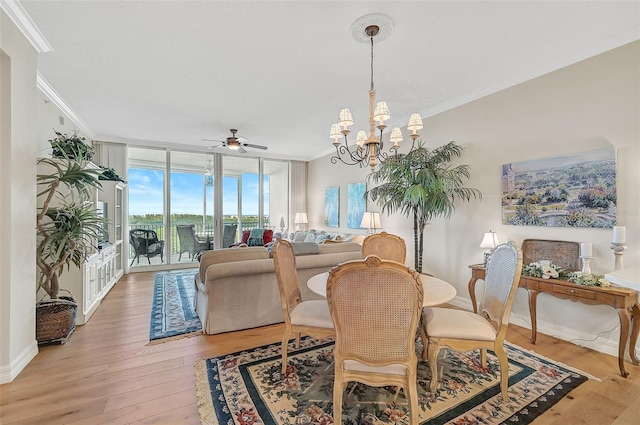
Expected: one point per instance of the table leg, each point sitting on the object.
(533, 297)
(635, 311)
(625, 322)
(472, 293)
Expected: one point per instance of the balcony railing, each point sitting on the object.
(200, 228)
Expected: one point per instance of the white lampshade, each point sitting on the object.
(371, 221)
(415, 122)
(361, 138)
(489, 240)
(300, 218)
(335, 133)
(345, 119)
(396, 136)
(381, 112)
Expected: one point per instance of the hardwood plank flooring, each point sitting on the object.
(107, 374)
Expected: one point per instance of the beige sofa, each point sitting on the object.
(236, 288)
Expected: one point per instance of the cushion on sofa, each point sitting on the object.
(305, 248)
(267, 236)
(228, 255)
(245, 236)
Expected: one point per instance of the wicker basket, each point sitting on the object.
(55, 319)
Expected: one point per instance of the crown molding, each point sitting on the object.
(23, 21)
(57, 100)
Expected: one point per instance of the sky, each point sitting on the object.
(146, 193)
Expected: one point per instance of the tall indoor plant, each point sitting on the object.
(423, 184)
(67, 225)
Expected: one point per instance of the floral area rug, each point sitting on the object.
(172, 313)
(248, 388)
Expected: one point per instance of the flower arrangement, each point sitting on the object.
(588, 279)
(544, 269)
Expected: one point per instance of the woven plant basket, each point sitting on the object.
(55, 319)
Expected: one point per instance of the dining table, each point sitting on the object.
(436, 291)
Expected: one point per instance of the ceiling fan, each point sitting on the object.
(235, 143)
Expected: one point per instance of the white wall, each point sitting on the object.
(18, 193)
(591, 105)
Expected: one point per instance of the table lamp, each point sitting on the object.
(489, 242)
(371, 222)
(301, 220)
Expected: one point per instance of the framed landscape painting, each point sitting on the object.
(332, 206)
(576, 190)
(356, 204)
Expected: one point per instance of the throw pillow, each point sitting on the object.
(267, 236)
(299, 236)
(245, 236)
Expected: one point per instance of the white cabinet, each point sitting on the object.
(104, 267)
(100, 274)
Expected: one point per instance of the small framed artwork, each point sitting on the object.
(356, 204)
(332, 206)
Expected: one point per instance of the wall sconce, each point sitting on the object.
(489, 243)
(371, 222)
(301, 221)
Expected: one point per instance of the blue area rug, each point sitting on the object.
(172, 313)
(248, 388)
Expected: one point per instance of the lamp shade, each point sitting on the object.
(335, 133)
(361, 138)
(300, 218)
(396, 136)
(381, 112)
(371, 220)
(415, 122)
(345, 119)
(489, 240)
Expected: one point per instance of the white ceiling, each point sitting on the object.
(175, 72)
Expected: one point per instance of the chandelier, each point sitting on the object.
(207, 177)
(369, 150)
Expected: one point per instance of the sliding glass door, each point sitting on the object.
(198, 201)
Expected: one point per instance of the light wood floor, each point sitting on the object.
(106, 373)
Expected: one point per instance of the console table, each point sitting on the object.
(625, 300)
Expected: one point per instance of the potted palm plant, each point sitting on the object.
(423, 184)
(67, 225)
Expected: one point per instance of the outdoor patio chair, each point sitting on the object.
(190, 242)
(145, 242)
(229, 235)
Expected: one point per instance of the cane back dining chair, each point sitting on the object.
(145, 242)
(190, 242)
(310, 317)
(465, 330)
(375, 305)
(386, 246)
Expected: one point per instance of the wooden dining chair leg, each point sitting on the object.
(504, 371)
(483, 357)
(434, 350)
(285, 345)
(425, 343)
(337, 400)
(412, 395)
(297, 340)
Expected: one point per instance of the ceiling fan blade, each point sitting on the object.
(249, 145)
(216, 146)
(242, 139)
(240, 150)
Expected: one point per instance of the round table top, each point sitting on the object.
(436, 291)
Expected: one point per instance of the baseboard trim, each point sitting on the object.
(9, 372)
